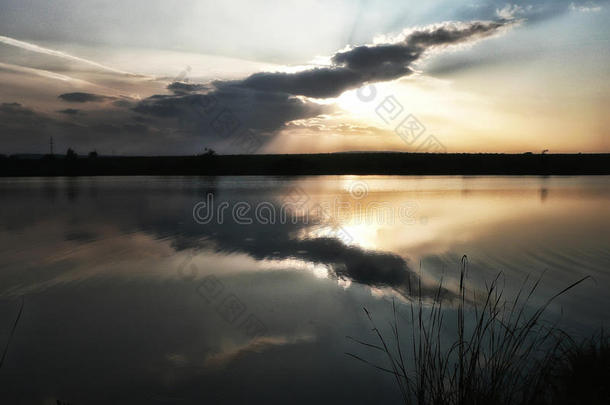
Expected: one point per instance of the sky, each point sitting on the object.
(158, 77)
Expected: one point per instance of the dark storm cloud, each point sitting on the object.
(261, 111)
(266, 111)
(317, 83)
(451, 34)
(370, 63)
(393, 59)
(69, 111)
(167, 106)
(266, 101)
(123, 103)
(185, 88)
(79, 97)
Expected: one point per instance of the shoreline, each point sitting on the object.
(310, 164)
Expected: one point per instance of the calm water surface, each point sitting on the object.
(243, 289)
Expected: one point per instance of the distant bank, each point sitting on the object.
(310, 164)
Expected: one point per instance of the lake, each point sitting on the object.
(243, 289)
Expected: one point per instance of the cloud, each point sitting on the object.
(123, 103)
(533, 11)
(43, 73)
(247, 109)
(15, 109)
(322, 124)
(185, 88)
(371, 63)
(190, 116)
(265, 102)
(587, 7)
(510, 11)
(39, 49)
(27, 130)
(317, 83)
(79, 97)
(169, 106)
(69, 111)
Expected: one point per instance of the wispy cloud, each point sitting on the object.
(45, 73)
(46, 51)
(589, 7)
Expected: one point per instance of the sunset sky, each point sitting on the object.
(142, 77)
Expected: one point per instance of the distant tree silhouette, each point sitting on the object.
(71, 155)
(208, 152)
(93, 154)
(352, 163)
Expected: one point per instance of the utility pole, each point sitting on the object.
(51, 145)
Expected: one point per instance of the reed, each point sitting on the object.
(12, 332)
(502, 353)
